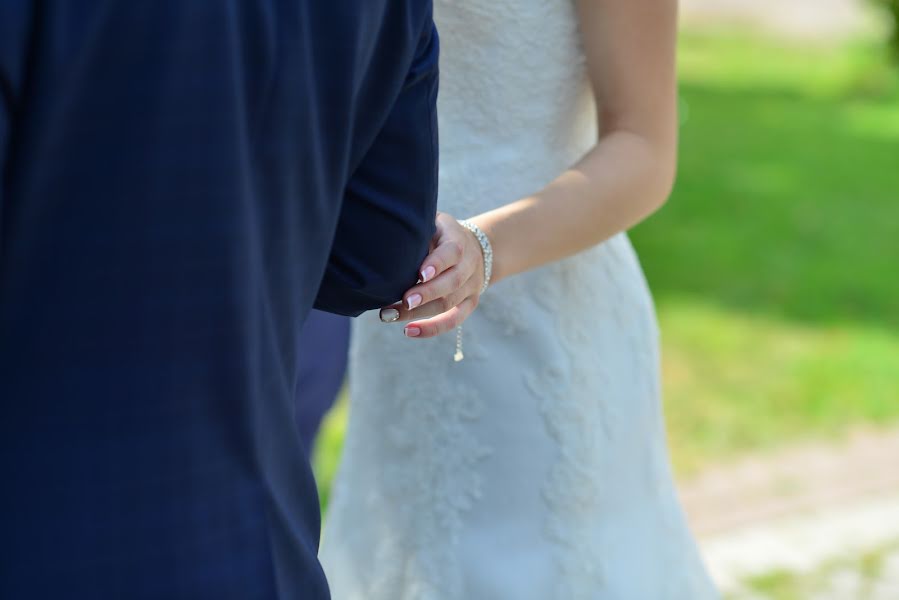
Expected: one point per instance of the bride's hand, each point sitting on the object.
(452, 276)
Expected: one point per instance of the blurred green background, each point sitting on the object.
(774, 265)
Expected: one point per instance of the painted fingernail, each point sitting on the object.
(413, 301)
(412, 331)
(389, 315)
(428, 273)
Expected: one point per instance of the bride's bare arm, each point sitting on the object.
(630, 47)
(627, 175)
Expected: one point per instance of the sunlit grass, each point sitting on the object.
(328, 444)
(818, 583)
(740, 59)
(774, 265)
(735, 383)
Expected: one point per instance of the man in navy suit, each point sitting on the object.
(181, 181)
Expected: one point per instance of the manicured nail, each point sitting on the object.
(389, 315)
(412, 331)
(428, 273)
(413, 301)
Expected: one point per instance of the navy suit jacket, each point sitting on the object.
(181, 181)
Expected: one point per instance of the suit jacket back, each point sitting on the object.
(175, 174)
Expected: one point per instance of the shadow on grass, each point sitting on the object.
(786, 204)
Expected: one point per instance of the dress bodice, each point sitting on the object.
(515, 103)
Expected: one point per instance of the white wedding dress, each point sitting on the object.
(536, 468)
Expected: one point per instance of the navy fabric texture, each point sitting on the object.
(179, 178)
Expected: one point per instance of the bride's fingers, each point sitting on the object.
(445, 255)
(443, 322)
(434, 297)
(429, 309)
(451, 282)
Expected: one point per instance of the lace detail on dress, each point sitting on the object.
(511, 303)
(579, 422)
(571, 487)
(434, 480)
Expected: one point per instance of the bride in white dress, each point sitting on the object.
(536, 468)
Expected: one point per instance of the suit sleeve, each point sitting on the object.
(387, 220)
(15, 26)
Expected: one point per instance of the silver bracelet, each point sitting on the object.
(487, 252)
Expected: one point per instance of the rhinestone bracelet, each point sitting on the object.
(487, 252)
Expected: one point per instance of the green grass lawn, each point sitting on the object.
(775, 263)
(866, 570)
